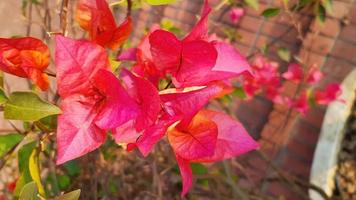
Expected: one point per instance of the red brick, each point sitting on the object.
(340, 9)
(348, 33)
(273, 29)
(247, 37)
(319, 44)
(315, 116)
(297, 167)
(250, 23)
(242, 48)
(306, 133)
(352, 16)
(331, 27)
(337, 68)
(301, 150)
(311, 57)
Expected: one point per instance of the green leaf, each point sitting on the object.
(74, 195)
(7, 142)
(252, 3)
(239, 92)
(29, 191)
(320, 14)
(198, 168)
(264, 49)
(27, 106)
(159, 2)
(327, 4)
(284, 54)
(35, 171)
(50, 122)
(271, 12)
(23, 162)
(3, 97)
(63, 181)
(72, 168)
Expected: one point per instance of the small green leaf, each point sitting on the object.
(35, 171)
(74, 195)
(198, 168)
(160, 2)
(239, 92)
(7, 142)
(284, 54)
(27, 106)
(320, 14)
(327, 4)
(72, 168)
(252, 3)
(3, 98)
(63, 181)
(264, 49)
(29, 192)
(50, 122)
(271, 12)
(23, 163)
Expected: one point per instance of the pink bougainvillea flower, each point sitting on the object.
(236, 14)
(145, 66)
(25, 57)
(295, 73)
(178, 106)
(301, 104)
(314, 75)
(93, 99)
(128, 55)
(145, 94)
(95, 17)
(266, 78)
(331, 93)
(195, 60)
(211, 136)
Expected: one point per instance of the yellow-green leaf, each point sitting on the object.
(252, 3)
(35, 171)
(284, 54)
(3, 98)
(271, 12)
(7, 142)
(160, 2)
(29, 192)
(74, 195)
(27, 106)
(23, 162)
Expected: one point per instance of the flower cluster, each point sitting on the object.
(268, 80)
(95, 101)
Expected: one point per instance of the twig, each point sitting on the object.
(275, 40)
(292, 180)
(50, 74)
(29, 25)
(237, 190)
(63, 16)
(168, 84)
(129, 8)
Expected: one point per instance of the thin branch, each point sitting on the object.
(129, 8)
(50, 74)
(29, 25)
(63, 16)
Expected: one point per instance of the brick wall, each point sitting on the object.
(289, 143)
